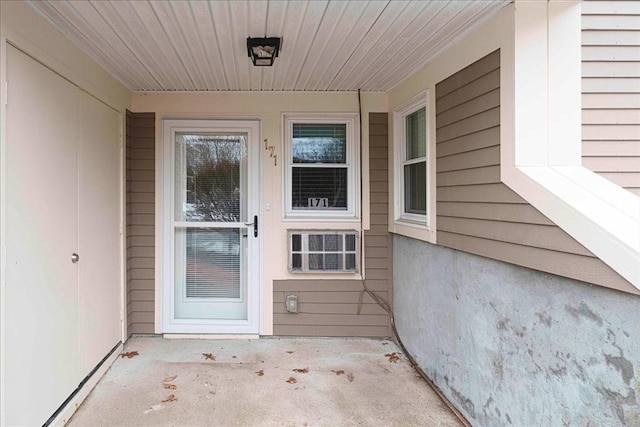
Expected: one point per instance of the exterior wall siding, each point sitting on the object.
(611, 91)
(140, 199)
(476, 212)
(338, 307)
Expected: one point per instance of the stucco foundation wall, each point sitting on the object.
(513, 346)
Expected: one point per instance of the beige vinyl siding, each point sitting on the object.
(476, 212)
(611, 91)
(140, 222)
(330, 307)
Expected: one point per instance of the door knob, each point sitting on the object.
(75, 258)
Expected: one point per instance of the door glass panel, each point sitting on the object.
(212, 263)
(208, 177)
(210, 186)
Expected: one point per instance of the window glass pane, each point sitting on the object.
(319, 143)
(319, 188)
(416, 126)
(415, 192)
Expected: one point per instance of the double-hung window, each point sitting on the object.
(321, 166)
(410, 123)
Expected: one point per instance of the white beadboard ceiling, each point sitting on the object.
(327, 45)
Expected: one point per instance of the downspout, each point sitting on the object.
(385, 305)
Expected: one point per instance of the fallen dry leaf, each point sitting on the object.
(260, 373)
(338, 372)
(169, 386)
(290, 352)
(169, 379)
(350, 377)
(301, 371)
(208, 356)
(393, 357)
(171, 398)
(292, 380)
(129, 354)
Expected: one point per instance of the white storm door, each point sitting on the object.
(211, 226)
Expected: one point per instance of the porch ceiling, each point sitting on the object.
(201, 45)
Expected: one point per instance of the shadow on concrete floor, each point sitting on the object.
(263, 382)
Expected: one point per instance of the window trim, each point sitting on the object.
(352, 165)
(400, 115)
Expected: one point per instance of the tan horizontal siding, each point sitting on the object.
(610, 68)
(560, 263)
(476, 212)
(339, 307)
(611, 91)
(140, 222)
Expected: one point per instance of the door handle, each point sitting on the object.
(75, 258)
(255, 225)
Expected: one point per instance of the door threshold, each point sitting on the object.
(211, 336)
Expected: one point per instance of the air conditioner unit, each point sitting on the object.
(323, 251)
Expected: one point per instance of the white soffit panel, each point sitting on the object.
(201, 45)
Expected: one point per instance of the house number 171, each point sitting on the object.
(318, 202)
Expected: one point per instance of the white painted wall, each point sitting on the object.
(269, 109)
(24, 29)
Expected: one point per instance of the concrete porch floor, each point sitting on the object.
(255, 383)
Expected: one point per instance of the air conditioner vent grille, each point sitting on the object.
(312, 251)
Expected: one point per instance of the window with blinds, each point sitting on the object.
(320, 165)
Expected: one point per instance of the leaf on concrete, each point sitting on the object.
(393, 357)
(292, 380)
(301, 371)
(338, 372)
(169, 379)
(260, 373)
(169, 386)
(129, 354)
(171, 398)
(208, 356)
(350, 377)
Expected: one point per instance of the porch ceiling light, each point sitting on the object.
(263, 51)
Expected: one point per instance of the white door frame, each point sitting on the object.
(165, 263)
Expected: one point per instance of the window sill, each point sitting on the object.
(320, 218)
(413, 230)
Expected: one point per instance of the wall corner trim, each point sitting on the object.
(540, 137)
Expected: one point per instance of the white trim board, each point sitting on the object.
(541, 139)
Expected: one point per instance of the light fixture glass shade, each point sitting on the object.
(263, 51)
